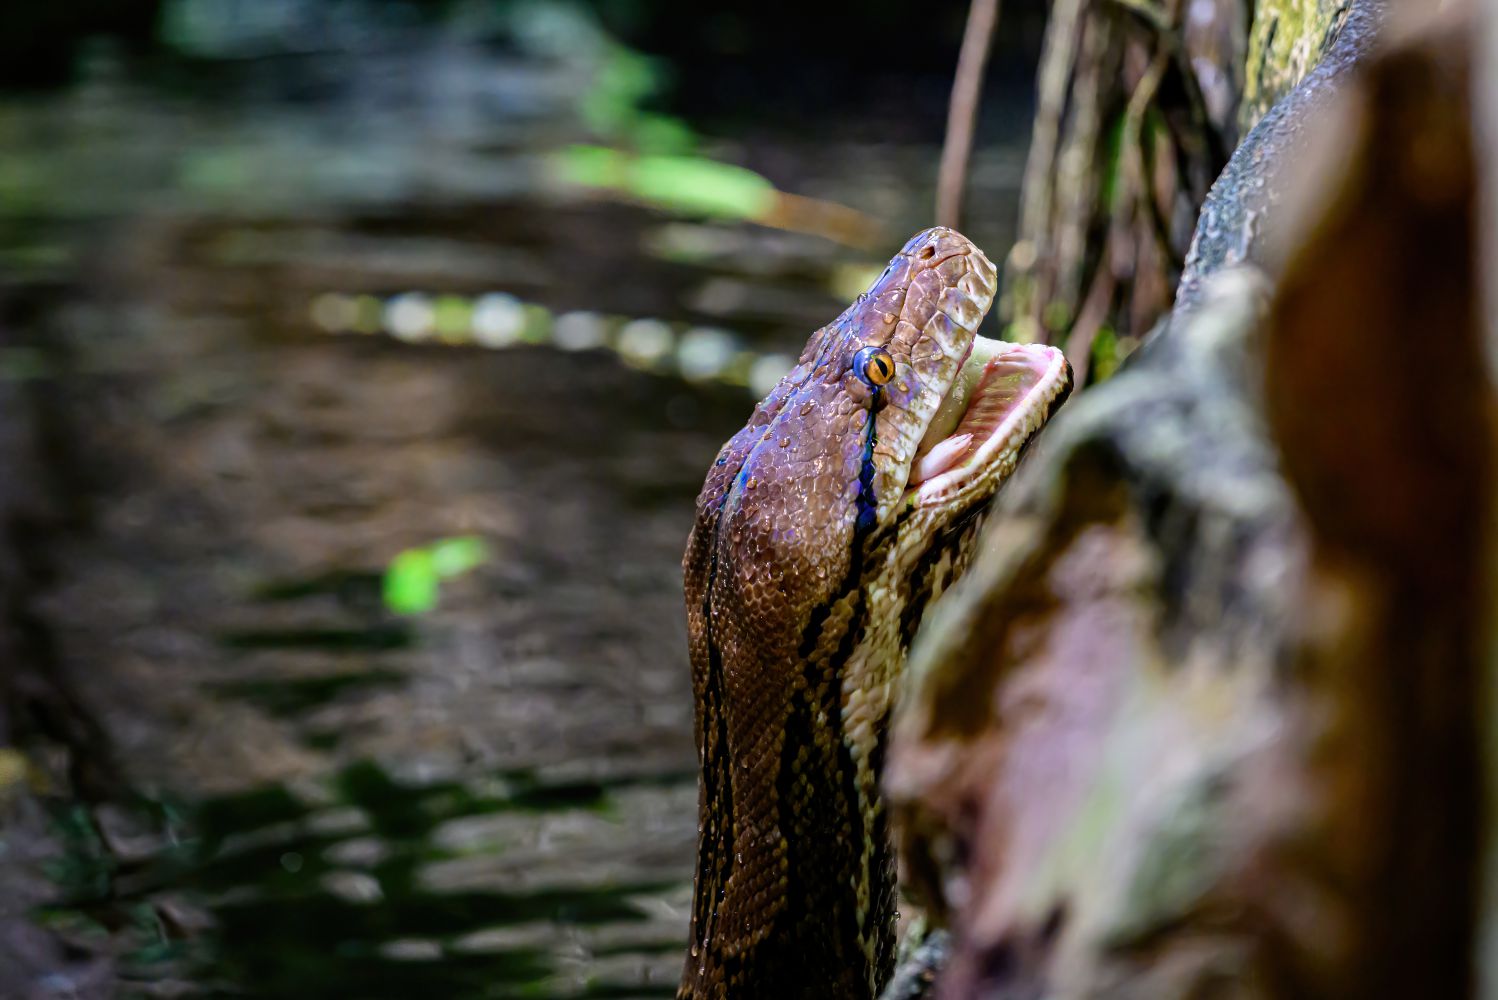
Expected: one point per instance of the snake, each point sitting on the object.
(825, 528)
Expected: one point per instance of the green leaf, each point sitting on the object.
(593, 166)
(1105, 353)
(686, 185)
(411, 583)
(663, 134)
(624, 80)
(693, 184)
(1113, 163)
(413, 577)
(454, 556)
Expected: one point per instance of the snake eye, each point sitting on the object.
(874, 365)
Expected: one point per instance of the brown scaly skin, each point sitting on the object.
(808, 570)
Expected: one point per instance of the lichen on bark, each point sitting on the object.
(1285, 41)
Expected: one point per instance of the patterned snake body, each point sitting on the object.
(825, 527)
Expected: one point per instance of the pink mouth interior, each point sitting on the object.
(1007, 382)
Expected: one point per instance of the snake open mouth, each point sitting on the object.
(1002, 394)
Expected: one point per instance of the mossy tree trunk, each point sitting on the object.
(1286, 39)
(1139, 107)
(1206, 716)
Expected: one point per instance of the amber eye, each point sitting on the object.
(874, 365)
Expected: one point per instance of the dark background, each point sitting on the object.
(740, 60)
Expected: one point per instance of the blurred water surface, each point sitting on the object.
(305, 315)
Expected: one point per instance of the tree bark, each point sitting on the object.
(1285, 42)
(1136, 114)
(1138, 107)
(1204, 716)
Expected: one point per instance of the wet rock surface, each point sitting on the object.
(219, 610)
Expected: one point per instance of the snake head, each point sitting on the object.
(832, 453)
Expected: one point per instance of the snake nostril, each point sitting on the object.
(928, 252)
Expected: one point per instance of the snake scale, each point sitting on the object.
(826, 526)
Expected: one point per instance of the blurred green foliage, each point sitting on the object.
(613, 106)
(19, 364)
(1106, 353)
(687, 184)
(1112, 173)
(413, 578)
(662, 169)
